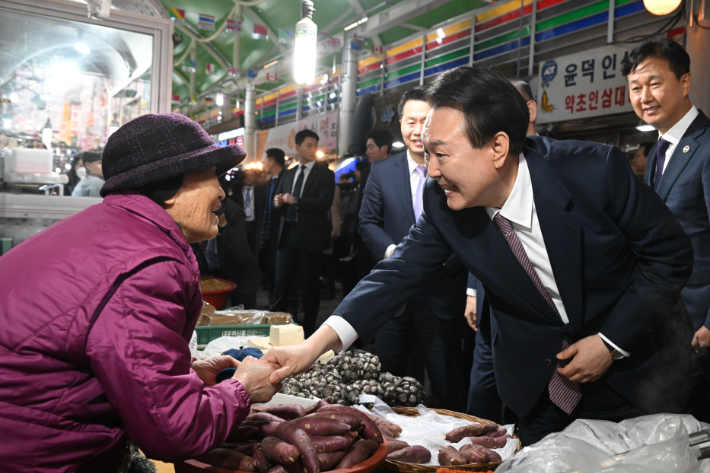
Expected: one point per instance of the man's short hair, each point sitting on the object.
(381, 138)
(522, 86)
(489, 102)
(277, 155)
(646, 147)
(666, 49)
(91, 156)
(303, 134)
(417, 93)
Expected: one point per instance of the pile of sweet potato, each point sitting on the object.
(292, 439)
(483, 437)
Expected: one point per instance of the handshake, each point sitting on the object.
(262, 378)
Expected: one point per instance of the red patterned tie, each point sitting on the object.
(563, 392)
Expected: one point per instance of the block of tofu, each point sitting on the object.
(282, 335)
(262, 343)
(326, 357)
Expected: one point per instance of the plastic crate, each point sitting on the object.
(209, 333)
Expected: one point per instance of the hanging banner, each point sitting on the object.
(285, 36)
(177, 15)
(284, 136)
(260, 32)
(209, 68)
(206, 22)
(271, 77)
(583, 85)
(189, 66)
(233, 72)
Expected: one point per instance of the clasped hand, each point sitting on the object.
(589, 360)
(280, 199)
(253, 374)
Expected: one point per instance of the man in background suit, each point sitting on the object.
(303, 198)
(268, 224)
(392, 203)
(250, 197)
(581, 262)
(679, 171)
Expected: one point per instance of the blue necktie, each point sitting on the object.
(291, 214)
(661, 149)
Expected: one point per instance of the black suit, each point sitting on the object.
(685, 188)
(269, 223)
(433, 316)
(252, 227)
(301, 243)
(620, 260)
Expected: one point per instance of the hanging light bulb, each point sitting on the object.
(219, 100)
(661, 7)
(304, 51)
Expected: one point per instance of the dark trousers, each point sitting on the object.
(440, 344)
(699, 402)
(251, 235)
(290, 261)
(599, 401)
(269, 271)
(483, 398)
(247, 300)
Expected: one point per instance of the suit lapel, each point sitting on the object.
(312, 176)
(404, 186)
(562, 234)
(681, 158)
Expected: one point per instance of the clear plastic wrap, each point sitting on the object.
(649, 444)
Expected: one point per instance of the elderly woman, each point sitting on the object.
(97, 312)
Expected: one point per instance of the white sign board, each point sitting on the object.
(583, 85)
(284, 136)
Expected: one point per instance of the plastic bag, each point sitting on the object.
(649, 444)
(219, 345)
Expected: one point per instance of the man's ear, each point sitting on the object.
(532, 108)
(500, 145)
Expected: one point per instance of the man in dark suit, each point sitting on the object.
(431, 318)
(268, 224)
(581, 262)
(303, 198)
(679, 171)
(250, 197)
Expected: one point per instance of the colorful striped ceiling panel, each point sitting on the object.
(446, 66)
(501, 49)
(402, 79)
(369, 90)
(448, 39)
(371, 67)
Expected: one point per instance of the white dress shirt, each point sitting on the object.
(309, 165)
(413, 184)
(520, 210)
(676, 132)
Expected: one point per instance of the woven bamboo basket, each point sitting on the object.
(401, 467)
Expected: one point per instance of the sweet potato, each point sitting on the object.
(395, 445)
(449, 456)
(247, 448)
(369, 428)
(263, 416)
(243, 432)
(295, 468)
(284, 411)
(264, 428)
(329, 460)
(332, 443)
(358, 453)
(314, 408)
(321, 426)
(263, 463)
(226, 458)
(345, 417)
(290, 432)
(495, 433)
(490, 442)
(393, 428)
(479, 454)
(277, 469)
(280, 452)
(413, 454)
(473, 430)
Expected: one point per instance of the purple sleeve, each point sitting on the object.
(142, 362)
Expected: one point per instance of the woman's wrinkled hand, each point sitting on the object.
(254, 375)
(207, 369)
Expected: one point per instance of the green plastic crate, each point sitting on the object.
(209, 333)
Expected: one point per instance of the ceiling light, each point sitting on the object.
(440, 33)
(661, 7)
(353, 25)
(320, 153)
(398, 144)
(14, 98)
(272, 63)
(219, 100)
(324, 79)
(645, 128)
(82, 48)
(304, 51)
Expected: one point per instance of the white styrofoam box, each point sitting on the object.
(33, 161)
(279, 399)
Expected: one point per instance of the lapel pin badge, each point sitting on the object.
(686, 149)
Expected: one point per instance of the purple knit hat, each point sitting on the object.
(155, 147)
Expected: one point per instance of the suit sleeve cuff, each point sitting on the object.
(471, 292)
(343, 329)
(623, 352)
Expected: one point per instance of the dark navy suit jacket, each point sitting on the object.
(619, 256)
(685, 188)
(386, 216)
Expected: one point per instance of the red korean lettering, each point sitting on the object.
(569, 103)
(606, 97)
(581, 103)
(593, 100)
(620, 96)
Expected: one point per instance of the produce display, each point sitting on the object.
(212, 284)
(292, 439)
(346, 376)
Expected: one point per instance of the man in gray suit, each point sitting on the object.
(678, 169)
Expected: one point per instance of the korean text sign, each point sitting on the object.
(583, 85)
